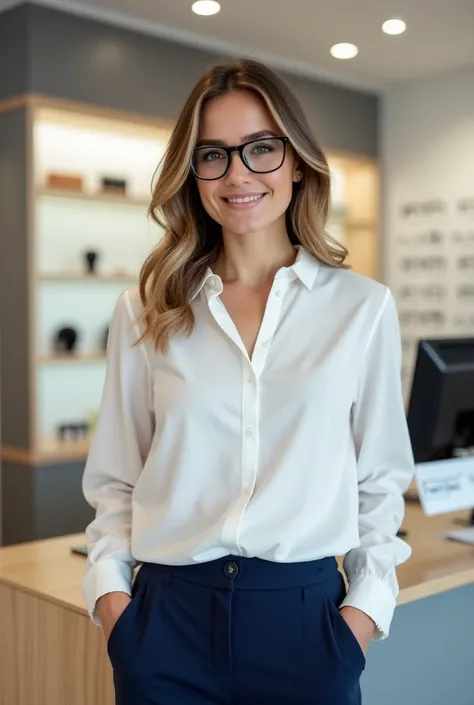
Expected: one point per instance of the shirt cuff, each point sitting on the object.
(375, 598)
(106, 576)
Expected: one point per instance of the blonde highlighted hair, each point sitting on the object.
(192, 240)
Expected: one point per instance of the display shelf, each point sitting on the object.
(67, 225)
(92, 197)
(354, 223)
(87, 278)
(354, 220)
(52, 450)
(72, 358)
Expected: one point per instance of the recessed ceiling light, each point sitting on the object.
(206, 7)
(344, 51)
(394, 26)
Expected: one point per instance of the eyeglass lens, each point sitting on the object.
(262, 156)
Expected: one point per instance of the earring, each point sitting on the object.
(299, 176)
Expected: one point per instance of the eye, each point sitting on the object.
(211, 155)
(262, 148)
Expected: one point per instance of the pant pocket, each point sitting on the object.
(343, 639)
(124, 625)
(140, 622)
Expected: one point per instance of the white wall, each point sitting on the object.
(428, 155)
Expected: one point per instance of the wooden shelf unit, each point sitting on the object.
(73, 276)
(51, 450)
(99, 197)
(358, 227)
(58, 226)
(71, 358)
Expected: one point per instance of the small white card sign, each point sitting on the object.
(445, 485)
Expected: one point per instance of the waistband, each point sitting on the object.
(239, 573)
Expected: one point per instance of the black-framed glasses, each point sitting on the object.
(262, 156)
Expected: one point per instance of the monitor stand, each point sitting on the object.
(465, 522)
(464, 453)
(463, 535)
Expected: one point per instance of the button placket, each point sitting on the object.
(250, 423)
(269, 324)
(251, 372)
(249, 455)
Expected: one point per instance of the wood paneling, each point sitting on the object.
(50, 655)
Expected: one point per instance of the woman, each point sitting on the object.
(251, 429)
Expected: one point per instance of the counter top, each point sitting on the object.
(48, 569)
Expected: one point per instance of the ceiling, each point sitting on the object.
(297, 34)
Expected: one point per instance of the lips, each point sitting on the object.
(244, 198)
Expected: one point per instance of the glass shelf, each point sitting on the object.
(73, 276)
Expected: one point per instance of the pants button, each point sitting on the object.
(231, 569)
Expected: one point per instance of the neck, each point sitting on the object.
(255, 258)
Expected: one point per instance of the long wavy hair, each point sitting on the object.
(192, 240)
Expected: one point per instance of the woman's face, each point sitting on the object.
(231, 120)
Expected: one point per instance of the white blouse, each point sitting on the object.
(297, 453)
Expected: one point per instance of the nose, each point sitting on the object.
(238, 172)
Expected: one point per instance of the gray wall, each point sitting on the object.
(42, 502)
(428, 657)
(14, 284)
(81, 59)
(14, 54)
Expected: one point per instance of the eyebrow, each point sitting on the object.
(246, 138)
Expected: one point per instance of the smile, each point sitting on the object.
(245, 199)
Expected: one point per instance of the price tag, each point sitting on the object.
(446, 485)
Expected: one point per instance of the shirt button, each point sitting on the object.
(278, 293)
(249, 431)
(231, 569)
(250, 379)
(266, 343)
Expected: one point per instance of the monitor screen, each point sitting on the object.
(441, 408)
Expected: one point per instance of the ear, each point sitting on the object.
(297, 175)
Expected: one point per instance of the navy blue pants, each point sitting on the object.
(236, 631)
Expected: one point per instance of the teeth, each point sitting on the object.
(247, 199)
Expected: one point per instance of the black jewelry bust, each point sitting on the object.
(66, 339)
(91, 257)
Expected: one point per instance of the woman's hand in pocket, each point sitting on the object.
(361, 625)
(109, 608)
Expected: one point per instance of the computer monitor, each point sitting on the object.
(441, 408)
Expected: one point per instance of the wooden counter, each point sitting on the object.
(49, 647)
